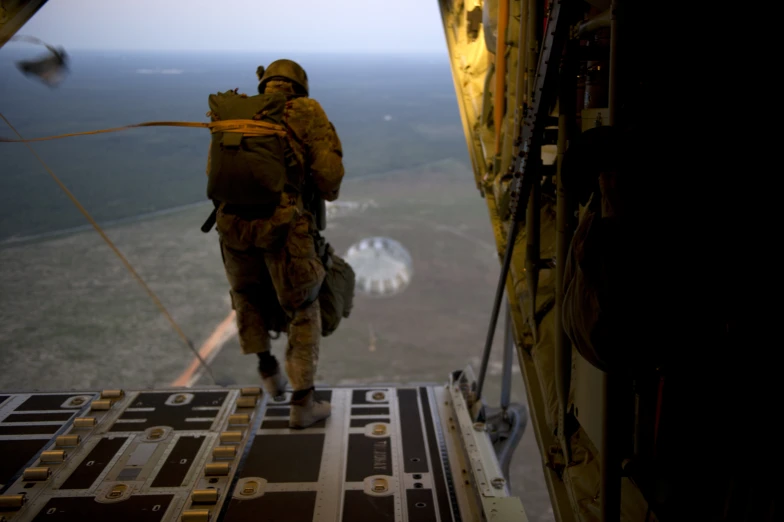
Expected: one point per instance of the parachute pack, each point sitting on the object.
(336, 297)
(251, 162)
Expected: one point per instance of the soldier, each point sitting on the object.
(272, 252)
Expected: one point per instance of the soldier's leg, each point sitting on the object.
(301, 363)
(247, 274)
(297, 274)
(303, 347)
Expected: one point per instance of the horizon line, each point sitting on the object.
(429, 52)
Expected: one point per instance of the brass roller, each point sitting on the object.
(196, 515)
(379, 429)
(101, 405)
(53, 456)
(12, 501)
(247, 402)
(112, 394)
(239, 419)
(205, 496)
(85, 422)
(224, 452)
(64, 441)
(36, 474)
(250, 391)
(230, 436)
(217, 469)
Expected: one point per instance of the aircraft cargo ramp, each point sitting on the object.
(227, 454)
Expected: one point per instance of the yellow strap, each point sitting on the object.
(245, 127)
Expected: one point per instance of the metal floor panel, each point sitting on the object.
(226, 454)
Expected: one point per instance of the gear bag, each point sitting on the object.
(336, 297)
(250, 157)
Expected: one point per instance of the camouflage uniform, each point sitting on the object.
(277, 252)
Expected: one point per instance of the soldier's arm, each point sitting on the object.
(325, 153)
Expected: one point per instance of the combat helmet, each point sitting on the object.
(284, 69)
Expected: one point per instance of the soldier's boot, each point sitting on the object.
(272, 378)
(306, 410)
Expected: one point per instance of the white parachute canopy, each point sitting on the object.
(382, 266)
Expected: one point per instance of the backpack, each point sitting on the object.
(251, 161)
(336, 296)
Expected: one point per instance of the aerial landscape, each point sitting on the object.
(73, 317)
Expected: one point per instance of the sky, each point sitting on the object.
(364, 26)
